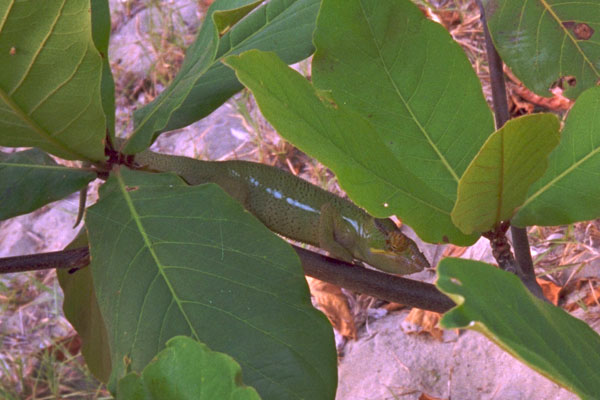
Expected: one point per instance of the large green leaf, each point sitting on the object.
(50, 75)
(31, 179)
(347, 143)
(410, 79)
(204, 83)
(545, 337)
(497, 180)
(169, 259)
(569, 191)
(187, 370)
(544, 40)
(101, 26)
(80, 306)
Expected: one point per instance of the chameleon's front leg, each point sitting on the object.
(336, 235)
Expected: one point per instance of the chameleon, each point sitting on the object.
(301, 211)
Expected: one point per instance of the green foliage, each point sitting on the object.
(169, 259)
(569, 190)
(187, 370)
(406, 75)
(366, 169)
(395, 111)
(498, 178)
(204, 83)
(545, 337)
(31, 179)
(101, 27)
(544, 40)
(50, 79)
(80, 306)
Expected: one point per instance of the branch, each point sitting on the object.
(524, 263)
(64, 259)
(378, 284)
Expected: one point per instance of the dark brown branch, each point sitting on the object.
(524, 263)
(64, 259)
(378, 284)
(384, 286)
(501, 248)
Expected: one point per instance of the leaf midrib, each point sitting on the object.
(6, 97)
(560, 176)
(37, 129)
(567, 33)
(57, 167)
(150, 247)
(406, 105)
(161, 268)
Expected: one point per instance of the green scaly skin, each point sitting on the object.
(301, 211)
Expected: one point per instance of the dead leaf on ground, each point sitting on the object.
(454, 251)
(61, 350)
(422, 321)
(393, 306)
(593, 294)
(333, 303)
(551, 290)
(425, 396)
(556, 103)
(518, 106)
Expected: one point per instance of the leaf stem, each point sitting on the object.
(524, 263)
(378, 284)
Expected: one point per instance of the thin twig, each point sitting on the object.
(524, 263)
(378, 284)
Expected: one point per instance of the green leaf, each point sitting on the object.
(31, 179)
(204, 83)
(80, 306)
(101, 35)
(569, 191)
(50, 79)
(544, 40)
(169, 259)
(346, 143)
(187, 370)
(545, 337)
(410, 79)
(497, 180)
(225, 20)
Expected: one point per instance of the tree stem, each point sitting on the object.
(521, 247)
(378, 284)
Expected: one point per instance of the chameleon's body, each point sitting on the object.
(301, 211)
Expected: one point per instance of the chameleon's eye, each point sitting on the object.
(397, 242)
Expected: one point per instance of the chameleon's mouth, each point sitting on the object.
(404, 261)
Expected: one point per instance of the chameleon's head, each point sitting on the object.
(392, 251)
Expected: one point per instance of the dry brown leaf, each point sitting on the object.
(423, 321)
(425, 396)
(333, 303)
(551, 290)
(593, 294)
(558, 102)
(393, 306)
(70, 344)
(518, 106)
(454, 251)
(449, 18)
